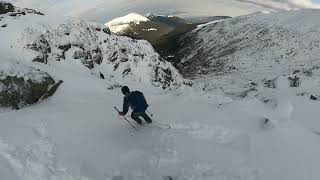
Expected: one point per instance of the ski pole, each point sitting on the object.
(126, 119)
(149, 113)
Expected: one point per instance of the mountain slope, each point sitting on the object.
(251, 49)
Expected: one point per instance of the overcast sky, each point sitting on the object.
(105, 10)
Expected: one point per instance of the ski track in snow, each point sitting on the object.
(77, 137)
(95, 143)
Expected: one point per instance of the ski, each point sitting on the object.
(155, 125)
(160, 125)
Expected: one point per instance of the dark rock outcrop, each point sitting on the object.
(43, 58)
(23, 88)
(41, 45)
(269, 83)
(52, 90)
(101, 75)
(313, 97)
(294, 81)
(106, 30)
(79, 55)
(6, 7)
(97, 56)
(167, 77)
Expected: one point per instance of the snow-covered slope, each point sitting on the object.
(86, 43)
(252, 50)
(77, 135)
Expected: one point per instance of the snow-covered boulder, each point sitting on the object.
(5, 7)
(21, 85)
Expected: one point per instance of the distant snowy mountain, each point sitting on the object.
(157, 29)
(121, 24)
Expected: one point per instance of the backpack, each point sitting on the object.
(138, 102)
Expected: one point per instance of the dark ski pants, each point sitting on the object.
(136, 116)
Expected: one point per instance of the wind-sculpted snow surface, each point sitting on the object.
(120, 24)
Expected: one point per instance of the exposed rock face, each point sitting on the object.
(106, 30)
(167, 77)
(78, 37)
(97, 56)
(294, 81)
(6, 7)
(313, 97)
(51, 91)
(96, 48)
(21, 86)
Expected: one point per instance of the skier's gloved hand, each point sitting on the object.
(121, 114)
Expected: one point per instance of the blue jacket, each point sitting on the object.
(136, 101)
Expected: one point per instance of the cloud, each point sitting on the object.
(278, 4)
(305, 3)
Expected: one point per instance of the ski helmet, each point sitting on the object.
(125, 90)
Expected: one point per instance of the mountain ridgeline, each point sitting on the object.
(162, 31)
(252, 51)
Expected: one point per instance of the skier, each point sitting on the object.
(138, 104)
